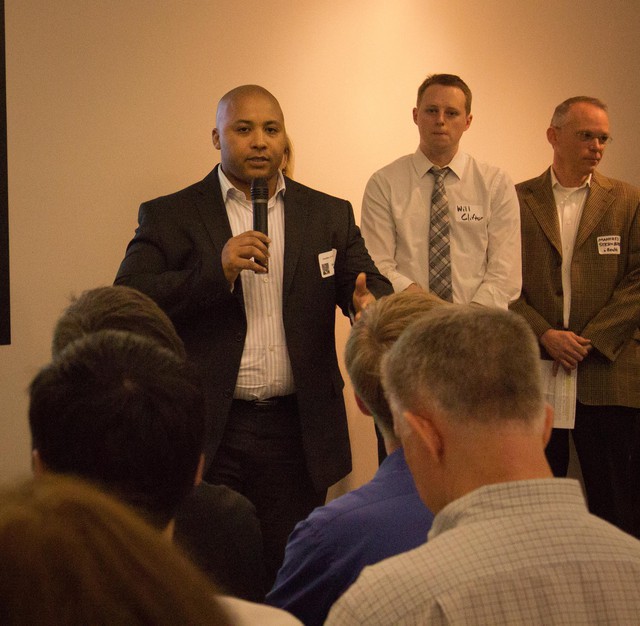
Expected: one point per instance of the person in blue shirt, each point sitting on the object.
(326, 552)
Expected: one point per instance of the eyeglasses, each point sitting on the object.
(587, 136)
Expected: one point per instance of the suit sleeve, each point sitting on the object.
(354, 260)
(538, 323)
(166, 259)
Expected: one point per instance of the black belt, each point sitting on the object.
(268, 404)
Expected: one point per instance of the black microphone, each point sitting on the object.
(260, 200)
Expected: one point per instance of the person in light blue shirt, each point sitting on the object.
(326, 552)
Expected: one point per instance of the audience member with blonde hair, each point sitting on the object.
(71, 555)
(510, 544)
(327, 551)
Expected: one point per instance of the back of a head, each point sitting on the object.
(115, 308)
(72, 556)
(120, 410)
(378, 328)
(474, 364)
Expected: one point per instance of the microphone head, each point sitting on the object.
(259, 189)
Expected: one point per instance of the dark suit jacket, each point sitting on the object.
(605, 288)
(175, 257)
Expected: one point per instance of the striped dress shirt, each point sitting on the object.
(265, 368)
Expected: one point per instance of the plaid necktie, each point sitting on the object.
(439, 257)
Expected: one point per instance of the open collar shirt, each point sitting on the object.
(569, 204)
(265, 368)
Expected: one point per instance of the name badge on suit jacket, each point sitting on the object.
(327, 262)
(609, 244)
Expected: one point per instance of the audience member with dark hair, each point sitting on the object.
(327, 551)
(217, 526)
(118, 409)
(510, 544)
(71, 555)
(115, 308)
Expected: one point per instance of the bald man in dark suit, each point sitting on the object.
(264, 338)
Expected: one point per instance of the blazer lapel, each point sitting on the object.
(540, 200)
(213, 213)
(295, 218)
(598, 202)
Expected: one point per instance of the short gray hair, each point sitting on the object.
(559, 117)
(472, 364)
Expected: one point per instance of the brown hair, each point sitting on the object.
(115, 308)
(448, 80)
(72, 556)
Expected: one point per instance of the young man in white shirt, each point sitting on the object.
(483, 213)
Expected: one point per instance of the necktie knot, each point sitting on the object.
(439, 172)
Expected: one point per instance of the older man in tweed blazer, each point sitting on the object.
(581, 296)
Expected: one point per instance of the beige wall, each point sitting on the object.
(111, 103)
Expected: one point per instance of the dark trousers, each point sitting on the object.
(607, 441)
(261, 457)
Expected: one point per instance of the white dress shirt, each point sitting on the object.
(484, 227)
(569, 203)
(265, 368)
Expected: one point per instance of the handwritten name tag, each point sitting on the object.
(469, 213)
(609, 244)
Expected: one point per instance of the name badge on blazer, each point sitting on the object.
(609, 244)
(327, 262)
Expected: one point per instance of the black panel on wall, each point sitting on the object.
(5, 310)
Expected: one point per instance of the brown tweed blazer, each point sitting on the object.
(605, 288)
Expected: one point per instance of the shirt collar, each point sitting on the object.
(227, 187)
(423, 165)
(499, 500)
(556, 183)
